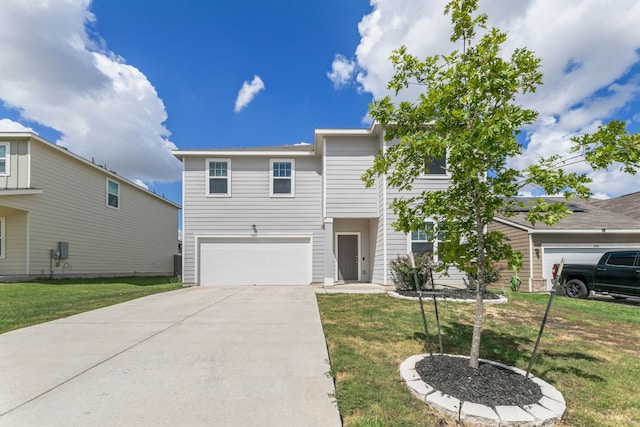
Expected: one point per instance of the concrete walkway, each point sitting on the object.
(219, 356)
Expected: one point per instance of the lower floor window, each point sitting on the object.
(425, 240)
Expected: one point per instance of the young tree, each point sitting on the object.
(468, 113)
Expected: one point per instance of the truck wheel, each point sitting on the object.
(576, 289)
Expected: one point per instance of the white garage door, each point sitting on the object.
(255, 261)
(551, 255)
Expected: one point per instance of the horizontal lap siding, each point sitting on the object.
(140, 237)
(519, 241)
(347, 158)
(18, 177)
(14, 261)
(377, 229)
(398, 242)
(250, 203)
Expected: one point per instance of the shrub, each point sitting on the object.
(492, 275)
(402, 271)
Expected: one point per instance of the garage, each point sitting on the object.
(572, 255)
(255, 260)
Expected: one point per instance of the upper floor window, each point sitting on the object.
(4, 159)
(435, 166)
(219, 177)
(282, 177)
(113, 194)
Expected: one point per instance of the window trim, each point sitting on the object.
(436, 242)
(208, 177)
(292, 178)
(108, 193)
(7, 159)
(3, 238)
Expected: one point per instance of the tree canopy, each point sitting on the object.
(468, 113)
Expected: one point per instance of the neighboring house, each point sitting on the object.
(295, 214)
(62, 215)
(595, 227)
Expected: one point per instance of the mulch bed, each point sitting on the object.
(451, 293)
(488, 385)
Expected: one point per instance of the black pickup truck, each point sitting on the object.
(617, 274)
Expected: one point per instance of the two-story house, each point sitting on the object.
(296, 214)
(62, 215)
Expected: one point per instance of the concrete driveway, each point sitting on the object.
(219, 356)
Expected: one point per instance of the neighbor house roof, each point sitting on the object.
(628, 205)
(37, 138)
(589, 216)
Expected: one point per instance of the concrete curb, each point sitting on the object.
(546, 412)
(500, 300)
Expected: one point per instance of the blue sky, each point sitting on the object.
(125, 82)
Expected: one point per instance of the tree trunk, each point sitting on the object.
(474, 357)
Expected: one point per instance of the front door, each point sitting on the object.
(348, 257)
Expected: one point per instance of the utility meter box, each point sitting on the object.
(63, 248)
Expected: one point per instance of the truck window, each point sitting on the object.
(625, 259)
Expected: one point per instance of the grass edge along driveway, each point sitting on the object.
(24, 304)
(589, 352)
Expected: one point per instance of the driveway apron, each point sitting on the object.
(217, 356)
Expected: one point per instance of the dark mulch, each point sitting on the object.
(450, 293)
(488, 385)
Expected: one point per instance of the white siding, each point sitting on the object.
(347, 158)
(250, 204)
(140, 237)
(18, 158)
(397, 241)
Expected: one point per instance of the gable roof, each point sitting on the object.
(304, 149)
(289, 150)
(589, 216)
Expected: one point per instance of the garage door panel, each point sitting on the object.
(553, 255)
(255, 261)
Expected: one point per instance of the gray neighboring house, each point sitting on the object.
(595, 227)
(295, 214)
(62, 215)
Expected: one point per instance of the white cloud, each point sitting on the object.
(55, 75)
(342, 71)
(8, 125)
(587, 49)
(247, 92)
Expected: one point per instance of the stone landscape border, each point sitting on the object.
(546, 412)
(501, 300)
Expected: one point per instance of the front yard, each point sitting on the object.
(589, 352)
(26, 304)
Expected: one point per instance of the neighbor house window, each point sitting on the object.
(113, 194)
(2, 238)
(282, 177)
(219, 177)
(4, 159)
(425, 240)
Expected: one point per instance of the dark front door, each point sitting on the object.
(347, 257)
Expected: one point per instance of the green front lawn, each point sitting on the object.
(29, 303)
(589, 352)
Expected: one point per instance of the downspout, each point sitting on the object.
(324, 178)
(28, 245)
(385, 258)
